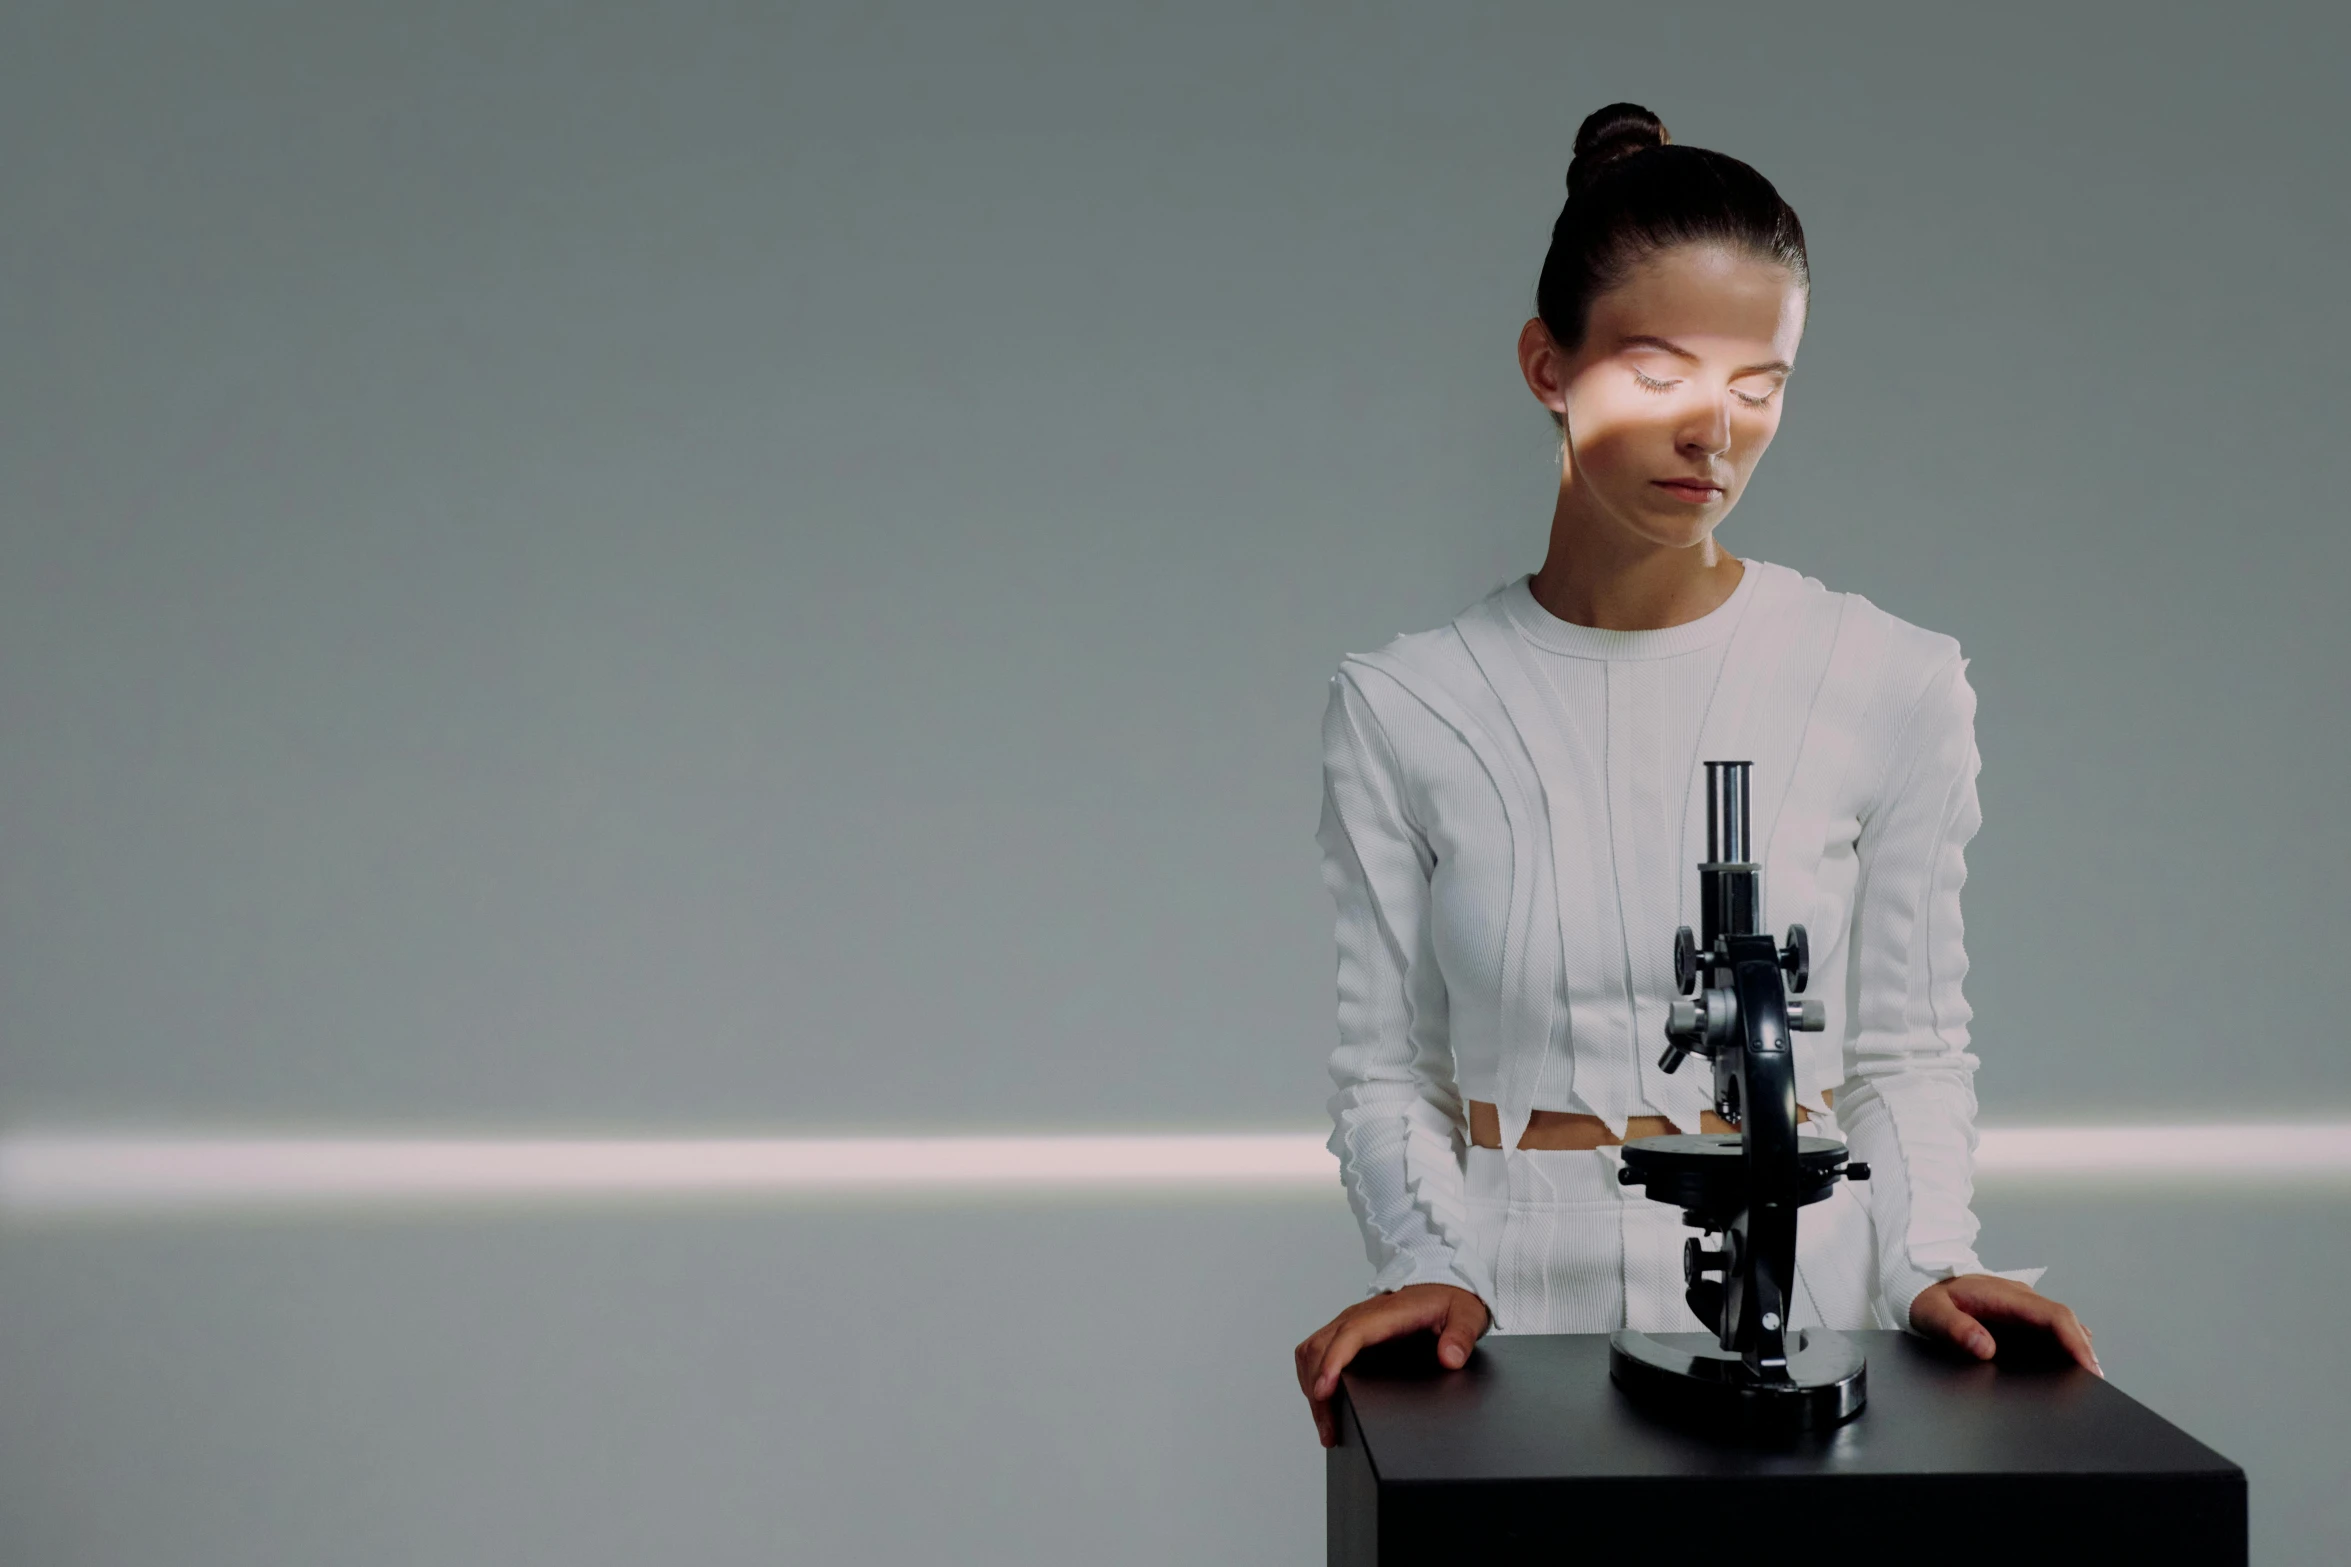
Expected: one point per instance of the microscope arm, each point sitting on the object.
(1742, 1022)
(1760, 1286)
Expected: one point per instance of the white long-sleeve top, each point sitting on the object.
(1511, 826)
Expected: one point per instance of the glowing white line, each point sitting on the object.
(57, 1172)
(2256, 1150)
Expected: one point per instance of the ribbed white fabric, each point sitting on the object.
(1511, 826)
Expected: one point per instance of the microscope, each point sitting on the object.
(1757, 1375)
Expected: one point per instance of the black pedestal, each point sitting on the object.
(1531, 1452)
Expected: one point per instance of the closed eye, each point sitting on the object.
(1667, 386)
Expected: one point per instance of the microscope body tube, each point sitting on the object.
(1730, 884)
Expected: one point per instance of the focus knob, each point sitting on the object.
(1795, 958)
(1807, 1014)
(1685, 960)
(1685, 1025)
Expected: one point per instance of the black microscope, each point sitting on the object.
(1758, 1375)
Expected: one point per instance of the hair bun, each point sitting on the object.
(1610, 135)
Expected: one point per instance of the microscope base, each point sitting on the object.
(1692, 1378)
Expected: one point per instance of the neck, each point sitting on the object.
(1599, 573)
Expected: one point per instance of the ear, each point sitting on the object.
(1543, 364)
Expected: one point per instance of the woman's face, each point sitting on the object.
(1679, 378)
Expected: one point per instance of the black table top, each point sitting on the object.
(1541, 1407)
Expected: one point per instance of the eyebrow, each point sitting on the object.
(1644, 340)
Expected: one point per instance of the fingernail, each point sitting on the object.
(2094, 1366)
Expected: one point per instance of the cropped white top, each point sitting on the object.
(1511, 826)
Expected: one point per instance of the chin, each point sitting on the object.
(1687, 533)
(1684, 527)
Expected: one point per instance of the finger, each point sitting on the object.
(1458, 1337)
(1335, 1358)
(1303, 1358)
(2076, 1340)
(2054, 1317)
(2060, 1321)
(1965, 1331)
(1387, 1317)
(1310, 1353)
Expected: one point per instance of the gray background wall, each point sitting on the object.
(702, 568)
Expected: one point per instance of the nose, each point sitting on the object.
(1707, 433)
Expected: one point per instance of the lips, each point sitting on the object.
(1689, 489)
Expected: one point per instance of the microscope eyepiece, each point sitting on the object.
(1729, 823)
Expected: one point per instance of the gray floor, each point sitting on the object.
(1041, 1383)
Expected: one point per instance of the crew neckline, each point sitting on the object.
(1546, 630)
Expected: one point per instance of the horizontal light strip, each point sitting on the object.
(54, 1173)
(50, 1172)
(2258, 1150)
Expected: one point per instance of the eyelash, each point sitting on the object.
(1665, 386)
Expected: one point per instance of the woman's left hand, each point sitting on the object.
(1959, 1310)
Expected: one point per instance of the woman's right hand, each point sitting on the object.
(1455, 1315)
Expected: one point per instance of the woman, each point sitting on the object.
(1511, 826)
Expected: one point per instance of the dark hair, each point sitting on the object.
(1631, 192)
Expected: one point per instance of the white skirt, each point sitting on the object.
(1572, 1251)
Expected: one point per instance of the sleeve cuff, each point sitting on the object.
(1903, 1286)
(1406, 1269)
